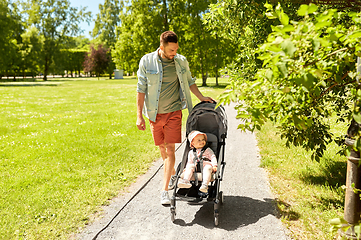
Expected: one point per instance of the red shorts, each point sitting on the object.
(167, 128)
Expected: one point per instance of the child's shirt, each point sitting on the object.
(208, 154)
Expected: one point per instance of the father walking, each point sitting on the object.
(163, 90)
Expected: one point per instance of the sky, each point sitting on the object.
(92, 6)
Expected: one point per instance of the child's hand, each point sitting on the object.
(215, 169)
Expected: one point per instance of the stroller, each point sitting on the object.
(205, 118)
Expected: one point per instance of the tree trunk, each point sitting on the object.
(217, 50)
(165, 16)
(46, 68)
(204, 79)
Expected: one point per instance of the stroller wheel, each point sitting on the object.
(216, 219)
(173, 213)
(220, 196)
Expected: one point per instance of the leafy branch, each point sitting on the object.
(327, 56)
(281, 91)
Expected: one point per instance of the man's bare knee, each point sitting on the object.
(170, 148)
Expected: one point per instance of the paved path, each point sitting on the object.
(248, 211)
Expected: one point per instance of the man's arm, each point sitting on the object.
(194, 89)
(140, 105)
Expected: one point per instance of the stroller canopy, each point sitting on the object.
(206, 118)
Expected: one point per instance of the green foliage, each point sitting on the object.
(308, 74)
(187, 20)
(30, 50)
(55, 21)
(106, 22)
(244, 24)
(11, 29)
(141, 25)
(69, 60)
(143, 21)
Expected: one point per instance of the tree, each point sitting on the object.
(186, 17)
(11, 29)
(142, 22)
(55, 20)
(106, 22)
(31, 51)
(105, 27)
(97, 60)
(308, 75)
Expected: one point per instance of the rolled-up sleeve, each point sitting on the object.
(142, 79)
(191, 80)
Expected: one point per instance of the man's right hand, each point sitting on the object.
(141, 123)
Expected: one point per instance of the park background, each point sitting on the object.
(68, 137)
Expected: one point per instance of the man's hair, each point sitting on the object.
(167, 37)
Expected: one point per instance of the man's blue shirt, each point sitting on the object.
(150, 74)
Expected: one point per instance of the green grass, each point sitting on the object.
(309, 193)
(69, 146)
(66, 150)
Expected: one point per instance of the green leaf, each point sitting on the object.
(269, 74)
(271, 15)
(284, 19)
(288, 47)
(243, 116)
(312, 8)
(274, 48)
(357, 117)
(322, 24)
(283, 69)
(355, 34)
(288, 28)
(286, 90)
(357, 143)
(308, 80)
(303, 10)
(357, 231)
(268, 6)
(264, 56)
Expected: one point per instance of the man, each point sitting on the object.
(163, 90)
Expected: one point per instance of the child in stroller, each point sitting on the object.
(212, 122)
(199, 153)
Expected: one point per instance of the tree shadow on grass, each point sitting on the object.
(237, 211)
(332, 176)
(286, 212)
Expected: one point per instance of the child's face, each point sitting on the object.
(199, 141)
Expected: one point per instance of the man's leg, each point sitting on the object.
(168, 154)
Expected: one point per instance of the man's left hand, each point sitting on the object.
(207, 99)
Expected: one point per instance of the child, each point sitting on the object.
(197, 141)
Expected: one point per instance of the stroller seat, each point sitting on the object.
(212, 142)
(210, 119)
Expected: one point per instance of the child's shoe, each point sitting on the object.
(204, 188)
(183, 183)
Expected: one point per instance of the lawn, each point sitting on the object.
(308, 193)
(67, 147)
(70, 145)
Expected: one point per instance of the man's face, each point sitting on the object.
(169, 51)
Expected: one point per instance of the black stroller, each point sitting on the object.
(212, 121)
